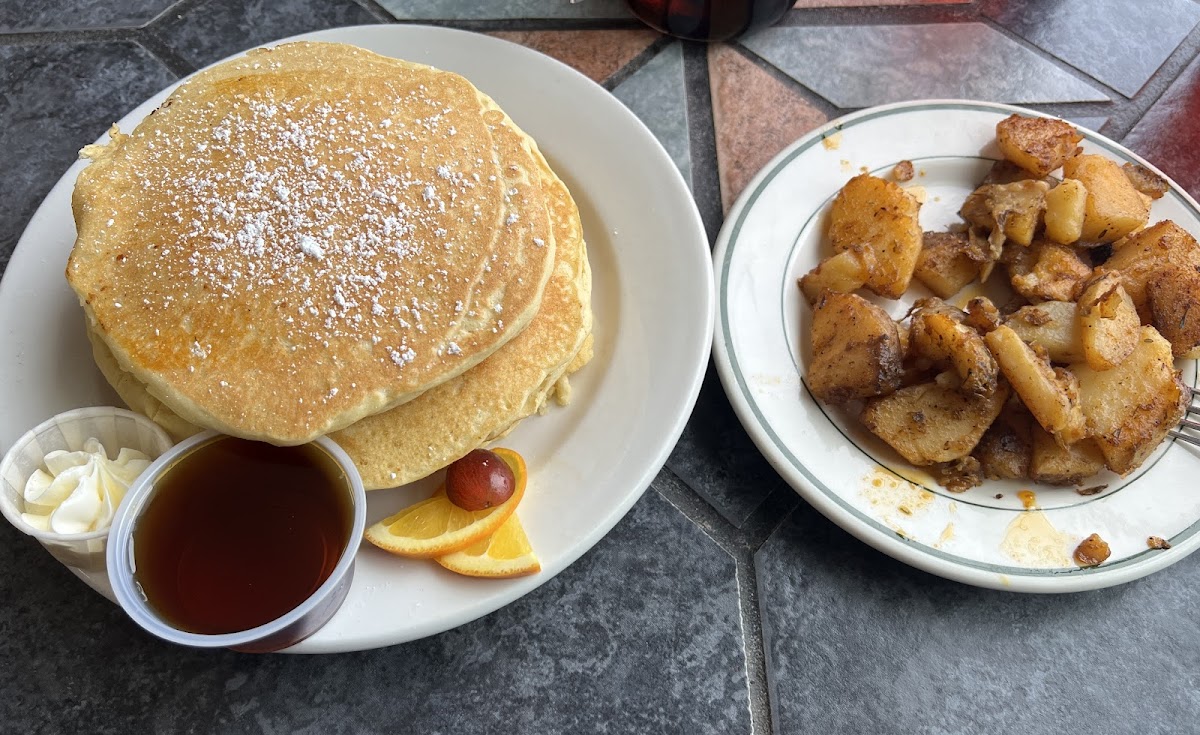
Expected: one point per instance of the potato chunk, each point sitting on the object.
(1108, 322)
(1055, 464)
(1048, 271)
(1036, 144)
(946, 264)
(1065, 208)
(931, 422)
(1145, 180)
(1143, 254)
(856, 349)
(1131, 408)
(1008, 211)
(939, 337)
(845, 272)
(1051, 325)
(1114, 208)
(982, 315)
(1006, 449)
(879, 214)
(1051, 395)
(1174, 297)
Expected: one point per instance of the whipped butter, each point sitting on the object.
(79, 492)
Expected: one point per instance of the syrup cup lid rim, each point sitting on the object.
(120, 567)
(13, 514)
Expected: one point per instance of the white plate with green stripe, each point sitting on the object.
(995, 535)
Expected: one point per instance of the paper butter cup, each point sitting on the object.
(82, 553)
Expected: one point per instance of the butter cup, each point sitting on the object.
(82, 553)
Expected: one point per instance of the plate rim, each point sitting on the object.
(826, 500)
(688, 373)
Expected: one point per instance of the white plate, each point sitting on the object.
(653, 302)
(773, 235)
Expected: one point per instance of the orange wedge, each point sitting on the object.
(506, 553)
(436, 527)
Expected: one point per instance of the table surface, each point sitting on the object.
(721, 603)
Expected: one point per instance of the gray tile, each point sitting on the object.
(56, 99)
(717, 459)
(208, 32)
(857, 642)
(860, 66)
(656, 94)
(1091, 123)
(498, 9)
(1118, 42)
(56, 15)
(640, 635)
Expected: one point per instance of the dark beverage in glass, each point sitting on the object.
(709, 20)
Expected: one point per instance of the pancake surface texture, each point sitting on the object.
(306, 236)
(421, 436)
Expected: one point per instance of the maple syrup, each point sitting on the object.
(238, 533)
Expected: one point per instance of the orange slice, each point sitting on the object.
(436, 527)
(506, 553)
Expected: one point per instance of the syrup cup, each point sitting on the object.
(82, 553)
(290, 628)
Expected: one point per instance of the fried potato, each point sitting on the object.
(1145, 180)
(1055, 464)
(856, 349)
(844, 272)
(1008, 211)
(1114, 208)
(932, 422)
(1006, 449)
(982, 315)
(1048, 271)
(1065, 208)
(1050, 395)
(1174, 298)
(938, 336)
(1131, 408)
(1140, 256)
(1036, 144)
(1006, 172)
(879, 214)
(1109, 326)
(945, 263)
(1052, 326)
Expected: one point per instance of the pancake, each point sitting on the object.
(421, 436)
(306, 236)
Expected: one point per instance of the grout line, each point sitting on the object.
(378, 11)
(162, 51)
(637, 62)
(753, 648)
(683, 498)
(1157, 85)
(702, 139)
(1115, 96)
(91, 35)
(825, 106)
(769, 516)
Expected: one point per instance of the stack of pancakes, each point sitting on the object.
(315, 239)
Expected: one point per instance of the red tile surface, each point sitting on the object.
(1169, 134)
(755, 116)
(598, 54)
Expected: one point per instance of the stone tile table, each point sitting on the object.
(722, 603)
